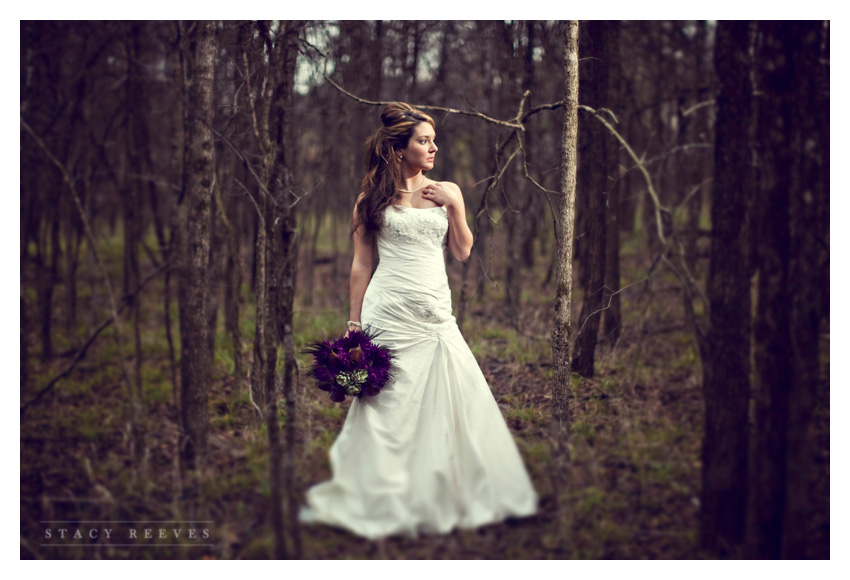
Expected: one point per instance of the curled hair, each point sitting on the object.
(383, 167)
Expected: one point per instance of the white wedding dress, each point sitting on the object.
(431, 452)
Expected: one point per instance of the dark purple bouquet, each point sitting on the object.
(350, 365)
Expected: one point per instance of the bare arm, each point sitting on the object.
(361, 270)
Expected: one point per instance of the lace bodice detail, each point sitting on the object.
(406, 224)
(410, 286)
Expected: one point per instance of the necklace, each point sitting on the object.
(415, 188)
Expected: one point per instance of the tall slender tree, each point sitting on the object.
(593, 91)
(562, 331)
(614, 185)
(198, 182)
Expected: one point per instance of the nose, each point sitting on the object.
(434, 147)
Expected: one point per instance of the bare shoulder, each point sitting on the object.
(456, 188)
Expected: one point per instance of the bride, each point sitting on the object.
(431, 452)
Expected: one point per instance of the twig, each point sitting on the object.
(90, 237)
(254, 201)
(233, 148)
(687, 112)
(528, 176)
(514, 125)
(691, 193)
(251, 105)
(659, 209)
(608, 305)
(82, 352)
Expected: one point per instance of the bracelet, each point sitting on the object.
(354, 323)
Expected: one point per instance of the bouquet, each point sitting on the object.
(350, 365)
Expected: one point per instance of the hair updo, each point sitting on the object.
(383, 176)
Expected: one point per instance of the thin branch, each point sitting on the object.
(687, 112)
(513, 125)
(608, 305)
(659, 209)
(251, 105)
(496, 178)
(689, 312)
(690, 194)
(687, 280)
(247, 163)
(528, 176)
(254, 201)
(82, 352)
(233, 148)
(90, 237)
(688, 276)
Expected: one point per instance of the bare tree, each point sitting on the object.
(195, 239)
(593, 206)
(276, 259)
(562, 331)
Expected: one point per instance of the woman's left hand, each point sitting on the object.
(441, 193)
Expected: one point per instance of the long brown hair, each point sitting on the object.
(383, 167)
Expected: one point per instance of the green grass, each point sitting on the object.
(634, 452)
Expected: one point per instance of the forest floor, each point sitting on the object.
(634, 476)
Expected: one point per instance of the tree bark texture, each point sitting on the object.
(614, 183)
(792, 149)
(562, 331)
(772, 332)
(726, 372)
(593, 91)
(281, 273)
(810, 257)
(194, 354)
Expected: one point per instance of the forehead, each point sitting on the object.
(423, 129)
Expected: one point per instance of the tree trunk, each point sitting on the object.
(289, 263)
(726, 371)
(614, 182)
(194, 354)
(593, 92)
(133, 223)
(259, 365)
(787, 329)
(281, 272)
(215, 277)
(232, 283)
(808, 258)
(772, 336)
(173, 243)
(562, 331)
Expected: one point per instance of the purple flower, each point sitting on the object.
(351, 364)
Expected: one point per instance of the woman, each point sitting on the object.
(431, 452)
